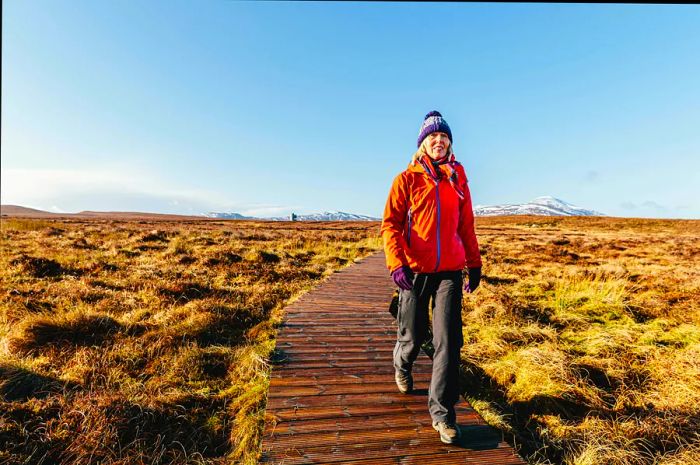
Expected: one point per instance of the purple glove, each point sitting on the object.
(403, 277)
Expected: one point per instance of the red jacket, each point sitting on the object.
(426, 225)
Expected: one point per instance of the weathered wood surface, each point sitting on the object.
(332, 396)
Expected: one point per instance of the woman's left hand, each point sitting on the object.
(474, 280)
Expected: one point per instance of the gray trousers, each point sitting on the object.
(446, 290)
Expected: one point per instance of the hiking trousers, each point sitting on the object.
(445, 288)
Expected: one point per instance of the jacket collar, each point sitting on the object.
(427, 167)
(421, 164)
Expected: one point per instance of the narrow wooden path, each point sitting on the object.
(332, 393)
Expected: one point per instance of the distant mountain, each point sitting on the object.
(335, 216)
(228, 216)
(545, 206)
(16, 210)
(25, 212)
(134, 215)
(325, 216)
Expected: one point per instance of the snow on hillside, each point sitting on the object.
(546, 206)
(228, 216)
(325, 216)
(330, 216)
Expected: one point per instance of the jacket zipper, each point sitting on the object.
(408, 229)
(437, 197)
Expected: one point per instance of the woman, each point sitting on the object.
(429, 238)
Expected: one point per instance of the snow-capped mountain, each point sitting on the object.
(546, 206)
(329, 216)
(325, 216)
(228, 216)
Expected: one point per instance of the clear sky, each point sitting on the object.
(265, 108)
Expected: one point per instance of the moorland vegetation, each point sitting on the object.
(127, 342)
(584, 339)
(149, 342)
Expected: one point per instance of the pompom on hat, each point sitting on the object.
(433, 122)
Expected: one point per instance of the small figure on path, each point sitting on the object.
(429, 238)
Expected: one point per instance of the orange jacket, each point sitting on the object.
(426, 225)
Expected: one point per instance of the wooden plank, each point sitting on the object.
(291, 348)
(292, 372)
(374, 420)
(359, 397)
(322, 387)
(368, 356)
(334, 379)
(328, 337)
(338, 331)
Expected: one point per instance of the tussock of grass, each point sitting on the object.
(262, 256)
(40, 267)
(26, 224)
(76, 329)
(490, 413)
(584, 300)
(675, 379)
(530, 372)
(684, 455)
(19, 382)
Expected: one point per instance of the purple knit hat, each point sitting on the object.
(433, 122)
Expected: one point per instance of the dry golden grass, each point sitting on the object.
(130, 342)
(584, 340)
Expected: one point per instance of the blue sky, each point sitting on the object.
(270, 107)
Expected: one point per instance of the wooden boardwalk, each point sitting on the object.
(332, 393)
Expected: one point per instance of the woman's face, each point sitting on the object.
(436, 144)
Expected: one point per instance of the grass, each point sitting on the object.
(583, 344)
(149, 342)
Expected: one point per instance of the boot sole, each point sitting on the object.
(407, 391)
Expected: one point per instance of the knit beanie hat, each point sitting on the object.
(433, 122)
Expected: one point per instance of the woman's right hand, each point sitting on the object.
(403, 277)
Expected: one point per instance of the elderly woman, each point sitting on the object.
(429, 238)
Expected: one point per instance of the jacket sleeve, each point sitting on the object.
(393, 225)
(466, 228)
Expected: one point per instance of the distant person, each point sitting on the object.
(429, 238)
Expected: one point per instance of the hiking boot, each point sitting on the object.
(404, 382)
(449, 432)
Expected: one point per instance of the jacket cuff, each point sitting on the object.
(396, 268)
